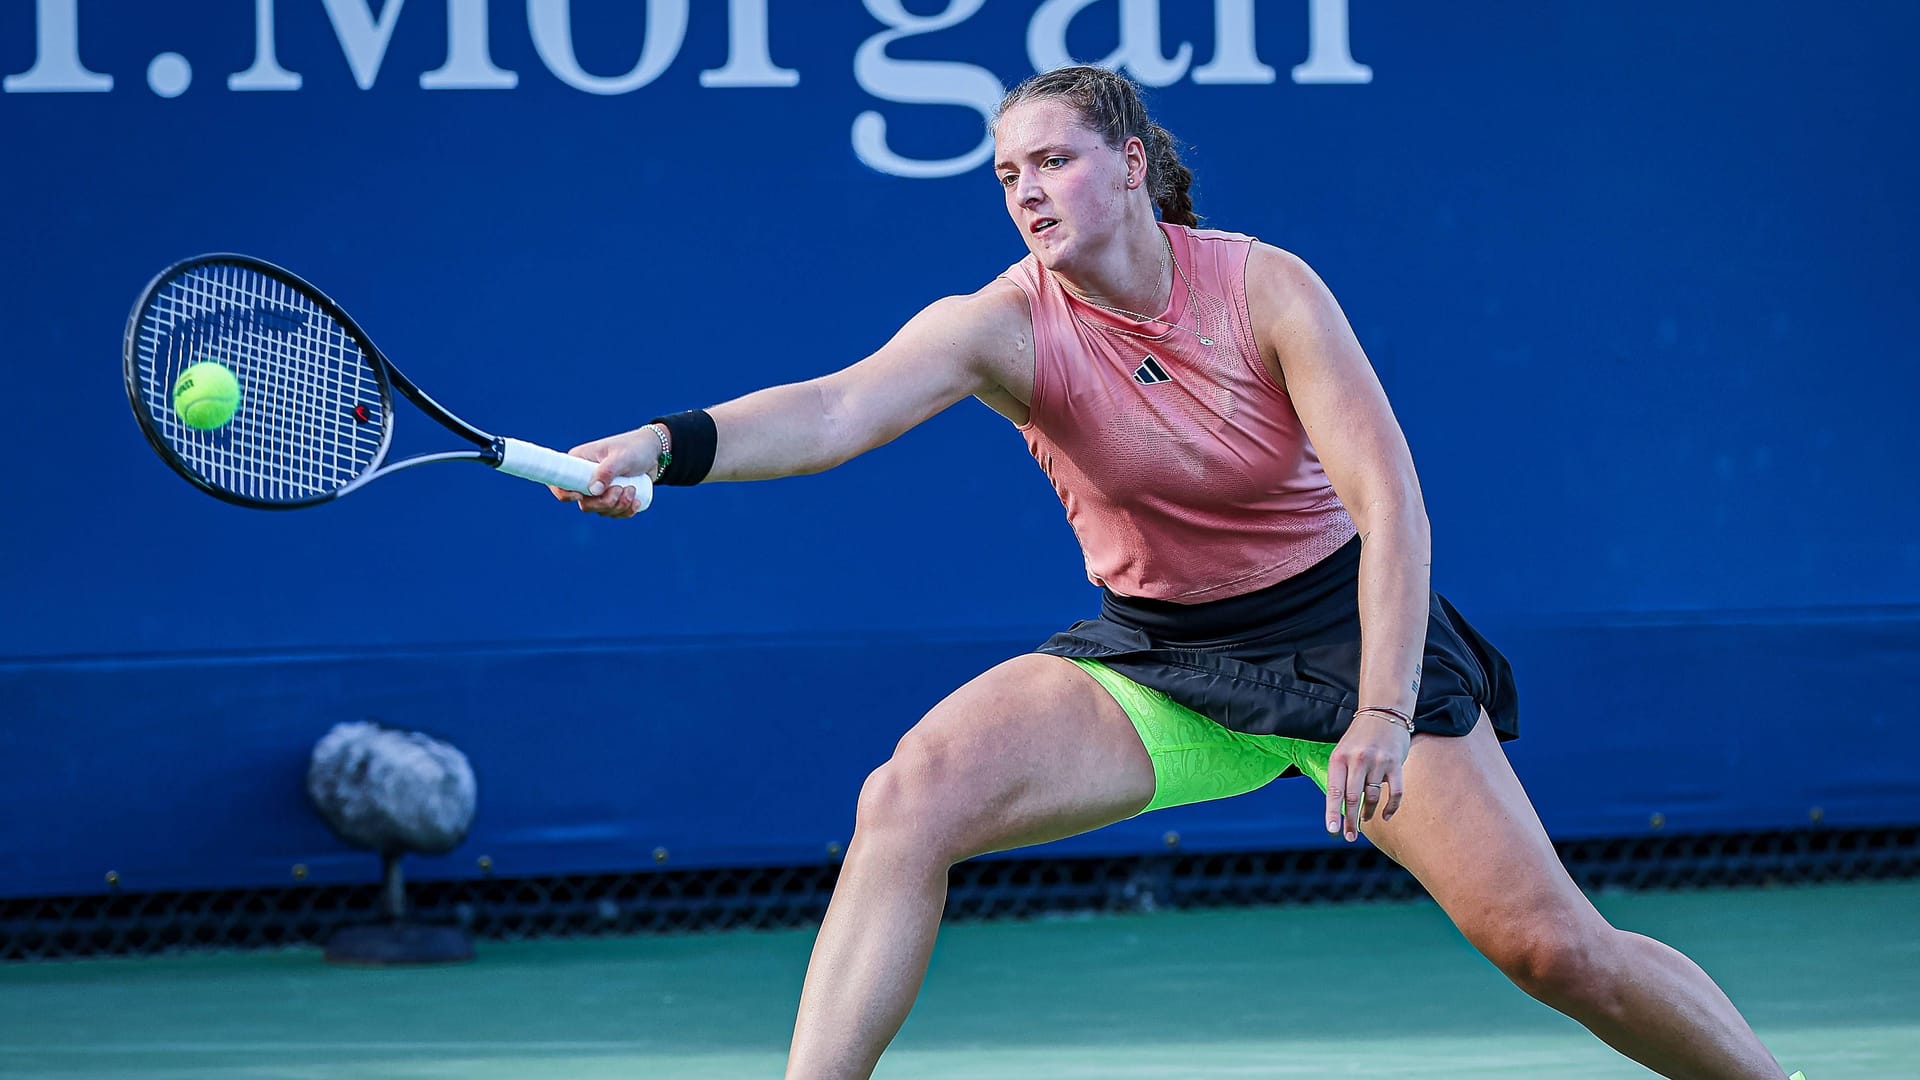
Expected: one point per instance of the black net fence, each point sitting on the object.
(656, 901)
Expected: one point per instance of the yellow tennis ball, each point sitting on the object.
(206, 396)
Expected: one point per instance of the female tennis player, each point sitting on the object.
(1246, 502)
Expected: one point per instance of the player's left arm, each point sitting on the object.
(1311, 349)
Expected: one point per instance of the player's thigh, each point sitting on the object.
(1031, 750)
(1468, 832)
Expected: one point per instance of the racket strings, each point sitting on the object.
(311, 416)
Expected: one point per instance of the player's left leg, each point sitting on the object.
(1467, 831)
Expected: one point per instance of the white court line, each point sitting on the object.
(316, 1047)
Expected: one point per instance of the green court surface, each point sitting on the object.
(1829, 975)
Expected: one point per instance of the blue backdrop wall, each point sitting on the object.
(1639, 278)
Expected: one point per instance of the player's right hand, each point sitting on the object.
(633, 453)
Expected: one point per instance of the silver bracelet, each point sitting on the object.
(1399, 718)
(666, 456)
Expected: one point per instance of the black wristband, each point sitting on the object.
(693, 439)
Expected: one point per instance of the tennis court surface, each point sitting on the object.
(1829, 974)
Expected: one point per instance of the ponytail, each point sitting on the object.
(1168, 179)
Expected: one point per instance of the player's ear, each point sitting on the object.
(1135, 153)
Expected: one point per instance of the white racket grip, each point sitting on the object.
(530, 461)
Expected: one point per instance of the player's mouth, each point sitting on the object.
(1041, 225)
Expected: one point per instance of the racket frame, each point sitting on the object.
(489, 449)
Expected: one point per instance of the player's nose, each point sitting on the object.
(1027, 189)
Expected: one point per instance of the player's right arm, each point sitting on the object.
(956, 347)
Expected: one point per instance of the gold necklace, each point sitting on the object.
(1136, 316)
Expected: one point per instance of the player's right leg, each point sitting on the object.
(1033, 750)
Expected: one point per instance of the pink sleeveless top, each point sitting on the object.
(1183, 467)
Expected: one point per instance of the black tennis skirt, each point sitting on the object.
(1285, 660)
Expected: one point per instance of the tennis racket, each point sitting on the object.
(315, 414)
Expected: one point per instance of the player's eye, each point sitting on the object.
(1007, 179)
(1053, 162)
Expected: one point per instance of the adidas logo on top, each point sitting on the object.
(1151, 372)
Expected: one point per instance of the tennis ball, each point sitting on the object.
(206, 396)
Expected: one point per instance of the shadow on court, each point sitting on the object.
(1830, 976)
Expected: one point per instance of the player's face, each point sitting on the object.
(1065, 187)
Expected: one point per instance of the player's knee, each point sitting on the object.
(907, 796)
(883, 797)
(1557, 961)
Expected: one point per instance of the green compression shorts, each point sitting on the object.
(1195, 759)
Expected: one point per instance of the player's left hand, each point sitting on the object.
(1364, 775)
